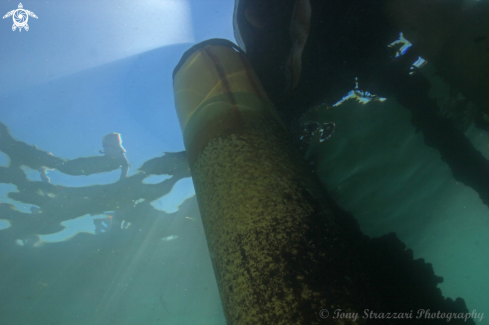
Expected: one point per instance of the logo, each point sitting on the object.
(20, 17)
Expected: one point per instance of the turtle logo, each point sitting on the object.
(20, 17)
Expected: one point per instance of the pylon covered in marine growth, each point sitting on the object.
(277, 252)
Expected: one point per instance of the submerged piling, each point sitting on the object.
(277, 252)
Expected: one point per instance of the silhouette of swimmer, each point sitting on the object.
(112, 144)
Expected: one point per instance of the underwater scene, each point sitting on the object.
(211, 162)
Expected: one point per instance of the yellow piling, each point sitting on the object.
(268, 234)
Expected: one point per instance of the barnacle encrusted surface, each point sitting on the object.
(264, 227)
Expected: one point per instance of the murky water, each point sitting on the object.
(99, 221)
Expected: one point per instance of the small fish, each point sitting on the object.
(103, 223)
(193, 219)
(172, 237)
